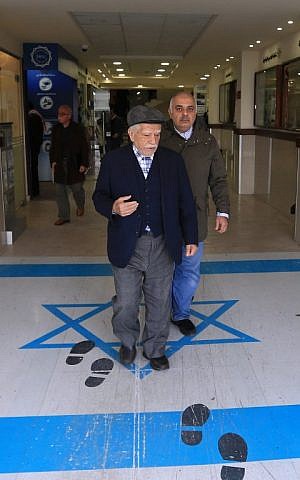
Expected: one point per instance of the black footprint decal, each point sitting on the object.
(102, 366)
(232, 447)
(78, 350)
(193, 416)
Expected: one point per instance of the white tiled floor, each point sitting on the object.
(229, 378)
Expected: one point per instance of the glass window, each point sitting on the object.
(267, 91)
(10, 92)
(227, 95)
(291, 95)
(11, 112)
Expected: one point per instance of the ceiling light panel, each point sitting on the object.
(141, 33)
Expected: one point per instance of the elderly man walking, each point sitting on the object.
(144, 192)
(69, 159)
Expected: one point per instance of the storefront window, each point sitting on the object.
(227, 96)
(291, 95)
(11, 112)
(267, 98)
(10, 92)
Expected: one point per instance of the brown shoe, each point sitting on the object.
(60, 221)
(79, 212)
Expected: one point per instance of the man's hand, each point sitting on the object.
(190, 250)
(221, 224)
(82, 169)
(123, 207)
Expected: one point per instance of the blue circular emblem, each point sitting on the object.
(41, 56)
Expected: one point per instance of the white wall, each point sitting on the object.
(286, 49)
(249, 65)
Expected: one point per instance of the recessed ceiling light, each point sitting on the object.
(290, 22)
(119, 69)
(121, 75)
(279, 28)
(207, 75)
(165, 63)
(231, 58)
(203, 78)
(218, 65)
(158, 75)
(140, 86)
(104, 76)
(180, 86)
(100, 71)
(258, 41)
(227, 59)
(117, 63)
(251, 45)
(215, 67)
(161, 70)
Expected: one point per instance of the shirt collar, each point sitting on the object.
(186, 135)
(139, 155)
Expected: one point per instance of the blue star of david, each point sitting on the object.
(111, 348)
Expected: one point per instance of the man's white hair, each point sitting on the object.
(134, 128)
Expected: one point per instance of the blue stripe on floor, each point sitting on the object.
(56, 270)
(104, 269)
(128, 440)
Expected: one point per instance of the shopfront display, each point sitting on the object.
(291, 95)
(267, 95)
(227, 99)
(11, 224)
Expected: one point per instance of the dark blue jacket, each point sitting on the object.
(117, 178)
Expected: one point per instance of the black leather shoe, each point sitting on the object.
(186, 327)
(158, 363)
(127, 355)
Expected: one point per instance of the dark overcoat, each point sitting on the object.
(78, 153)
(205, 167)
(117, 178)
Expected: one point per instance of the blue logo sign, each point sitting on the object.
(41, 56)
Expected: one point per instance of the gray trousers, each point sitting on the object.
(62, 198)
(149, 272)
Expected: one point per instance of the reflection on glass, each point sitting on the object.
(227, 96)
(10, 92)
(291, 95)
(266, 94)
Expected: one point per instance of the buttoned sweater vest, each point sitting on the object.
(149, 210)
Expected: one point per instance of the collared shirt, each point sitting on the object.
(186, 135)
(145, 162)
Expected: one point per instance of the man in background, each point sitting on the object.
(114, 139)
(190, 137)
(35, 137)
(69, 158)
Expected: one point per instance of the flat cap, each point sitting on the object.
(143, 114)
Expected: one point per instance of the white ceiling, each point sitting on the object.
(193, 35)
